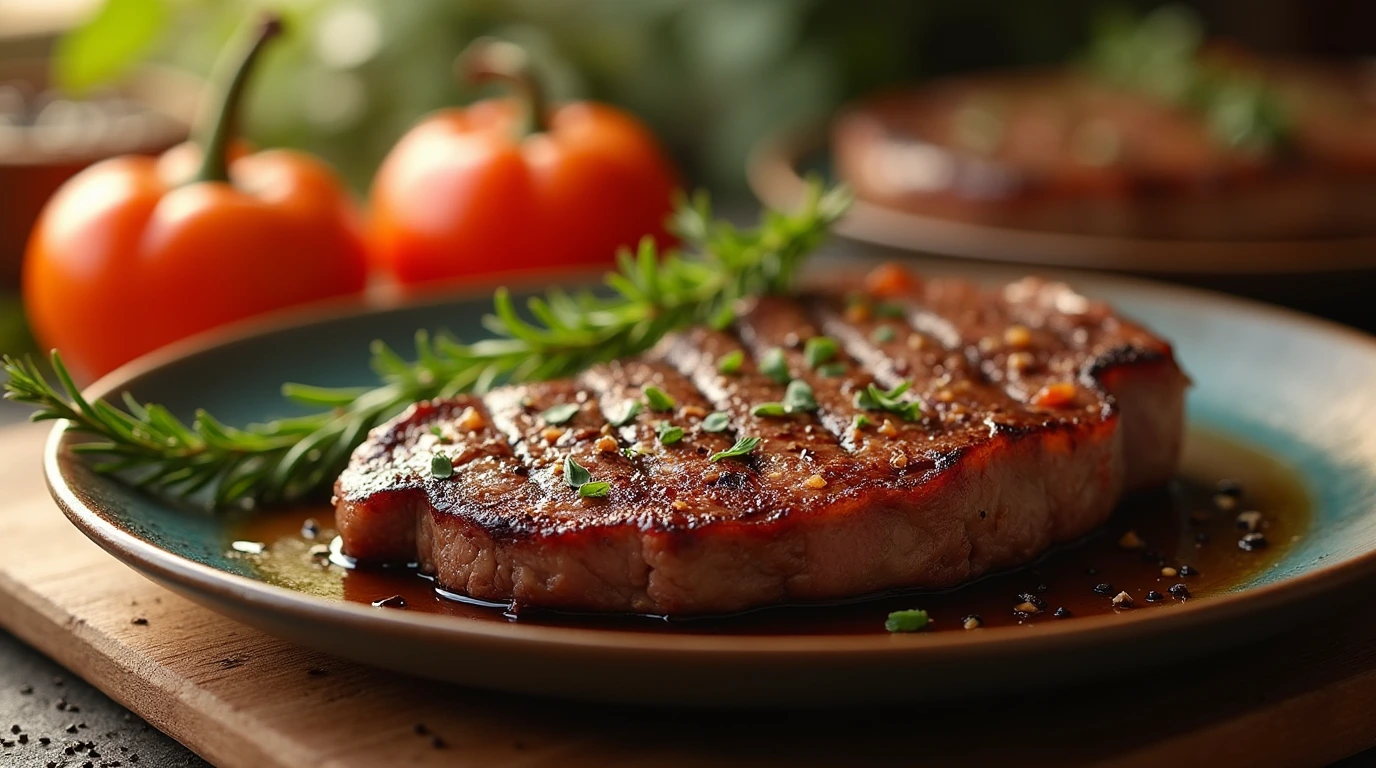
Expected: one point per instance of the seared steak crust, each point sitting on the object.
(1040, 407)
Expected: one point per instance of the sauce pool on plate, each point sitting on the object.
(1230, 514)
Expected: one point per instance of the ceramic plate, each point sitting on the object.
(777, 166)
(1296, 388)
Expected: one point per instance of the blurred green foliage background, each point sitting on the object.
(711, 76)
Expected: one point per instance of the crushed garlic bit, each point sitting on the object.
(551, 434)
(1131, 540)
(471, 420)
(887, 429)
(1017, 336)
(1055, 395)
(679, 505)
(1027, 607)
(816, 482)
(606, 444)
(1169, 572)
(916, 341)
(1122, 600)
(945, 395)
(1021, 361)
(775, 475)
(898, 460)
(988, 344)
(1249, 520)
(693, 412)
(1226, 502)
(972, 622)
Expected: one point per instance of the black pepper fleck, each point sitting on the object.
(1201, 537)
(420, 729)
(1104, 589)
(1155, 597)
(15, 728)
(1186, 570)
(1180, 590)
(1228, 487)
(44, 740)
(140, 621)
(1252, 542)
(1091, 571)
(23, 738)
(317, 671)
(1062, 613)
(25, 690)
(438, 743)
(310, 529)
(71, 728)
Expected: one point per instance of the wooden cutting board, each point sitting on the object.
(241, 698)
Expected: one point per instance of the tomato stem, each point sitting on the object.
(486, 60)
(215, 128)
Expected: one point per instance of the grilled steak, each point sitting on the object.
(1039, 408)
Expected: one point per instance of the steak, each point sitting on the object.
(1038, 408)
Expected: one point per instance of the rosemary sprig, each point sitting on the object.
(650, 295)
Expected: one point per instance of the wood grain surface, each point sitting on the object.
(242, 698)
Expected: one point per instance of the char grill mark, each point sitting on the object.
(792, 447)
(697, 490)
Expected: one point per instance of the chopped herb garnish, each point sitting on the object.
(633, 451)
(595, 490)
(798, 398)
(773, 365)
(441, 467)
(860, 421)
(819, 350)
(561, 414)
(730, 363)
(716, 421)
(668, 433)
(769, 410)
(658, 399)
(438, 432)
(890, 311)
(627, 414)
(872, 398)
(906, 621)
(883, 334)
(743, 447)
(575, 474)
(832, 370)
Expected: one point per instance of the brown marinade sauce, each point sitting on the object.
(1189, 526)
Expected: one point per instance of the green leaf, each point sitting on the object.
(561, 414)
(595, 490)
(773, 365)
(860, 421)
(103, 48)
(906, 621)
(832, 370)
(730, 363)
(799, 398)
(769, 410)
(668, 433)
(658, 399)
(716, 421)
(883, 334)
(575, 474)
(743, 447)
(441, 466)
(627, 414)
(819, 350)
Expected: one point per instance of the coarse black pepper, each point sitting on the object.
(1228, 487)
(1186, 570)
(1251, 542)
(1155, 597)
(420, 729)
(1180, 590)
(25, 690)
(1062, 613)
(15, 728)
(438, 743)
(310, 529)
(1104, 589)
(139, 621)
